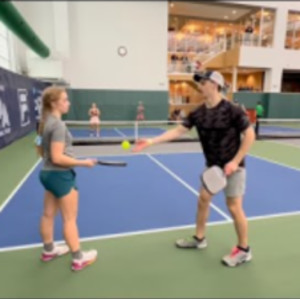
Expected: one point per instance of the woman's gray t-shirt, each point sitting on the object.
(55, 130)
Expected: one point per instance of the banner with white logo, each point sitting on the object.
(5, 125)
(20, 105)
(24, 108)
(37, 98)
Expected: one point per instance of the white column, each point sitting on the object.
(19, 50)
(267, 81)
(261, 24)
(234, 79)
(276, 79)
(61, 28)
(12, 52)
(273, 78)
(280, 27)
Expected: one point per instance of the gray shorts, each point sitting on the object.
(236, 183)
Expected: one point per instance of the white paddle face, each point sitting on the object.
(214, 179)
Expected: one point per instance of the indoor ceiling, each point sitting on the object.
(205, 10)
(243, 70)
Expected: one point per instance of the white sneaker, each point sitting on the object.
(237, 257)
(191, 243)
(57, 251)
(88, 258)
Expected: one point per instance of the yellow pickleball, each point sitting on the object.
(126, 145)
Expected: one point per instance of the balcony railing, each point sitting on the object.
(186, 64)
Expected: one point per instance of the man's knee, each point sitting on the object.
(234, 206)
(204, 198)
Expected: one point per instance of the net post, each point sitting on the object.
(136, 133)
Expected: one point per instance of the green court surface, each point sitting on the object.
(16, 160)
(148, 265)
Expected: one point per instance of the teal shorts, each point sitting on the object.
(59, 183)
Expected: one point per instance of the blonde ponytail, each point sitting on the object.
(50, 95)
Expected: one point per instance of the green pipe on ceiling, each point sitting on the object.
(11, 17)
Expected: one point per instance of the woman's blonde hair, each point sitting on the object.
(50, 95)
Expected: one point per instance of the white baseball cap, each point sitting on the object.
(212, 76)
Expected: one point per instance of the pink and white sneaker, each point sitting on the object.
(237, 257)
(88, 258)
(57, 251)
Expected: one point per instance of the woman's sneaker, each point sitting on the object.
(88, 258)
(237, 257)
(193, 243)
(57, 251)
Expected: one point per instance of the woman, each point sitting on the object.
(94, 114)
(140, 112)
(58, 179)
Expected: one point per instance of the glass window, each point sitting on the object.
(292, 40)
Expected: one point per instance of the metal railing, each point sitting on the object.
(184, 64)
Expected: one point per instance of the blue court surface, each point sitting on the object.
(153, 192)
(117, 132)
(279, 129)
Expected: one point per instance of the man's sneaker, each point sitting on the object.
(88, 258)
(57, 251)
(237, 257)
(193, 243)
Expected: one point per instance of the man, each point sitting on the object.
(259, 114)
(226, 136)
(249, 33)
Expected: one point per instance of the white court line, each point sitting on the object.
(184, 153)
(284, 143)
(249, 155)
(151, 231)
(274, 162)
(190, 188)
(114, 236)
(270, 216)
(16, 189)
(130, 154)
(119, 132)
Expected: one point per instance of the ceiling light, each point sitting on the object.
(172, 4)
(226, 17)
(234, 12)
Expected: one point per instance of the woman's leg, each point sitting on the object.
(50, 251)
(47, 220)
(69, 209)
